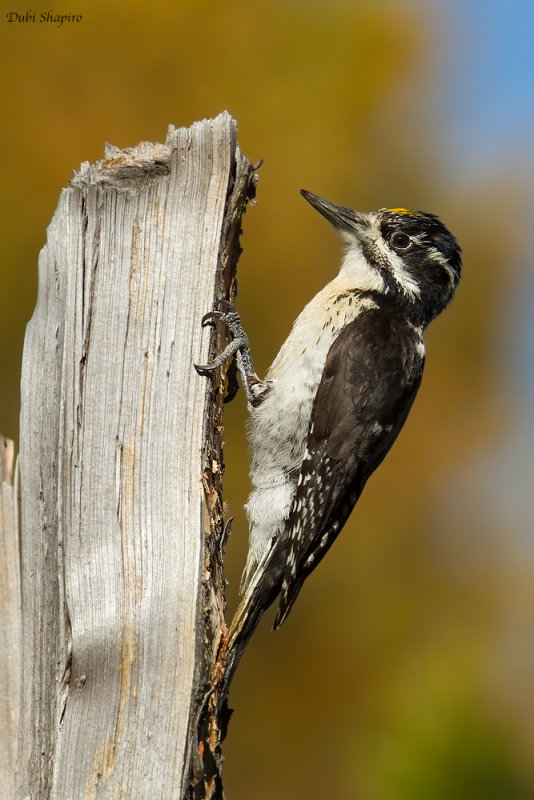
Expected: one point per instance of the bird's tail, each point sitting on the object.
(261, 591)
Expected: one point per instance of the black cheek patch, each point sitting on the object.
(380, 263)
(437, 273)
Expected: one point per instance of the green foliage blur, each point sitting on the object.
(404, 671)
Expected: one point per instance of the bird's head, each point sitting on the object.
(395, 251)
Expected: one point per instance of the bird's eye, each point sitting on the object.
(400, 240)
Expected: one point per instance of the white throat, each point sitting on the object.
(358, 272)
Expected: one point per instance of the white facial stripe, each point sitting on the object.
(397, 269)
(435, 255)
(419, 238)
(359, 272)
(396, 266)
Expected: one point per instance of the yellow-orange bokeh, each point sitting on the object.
(388, 681)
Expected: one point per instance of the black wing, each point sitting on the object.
(371, 376)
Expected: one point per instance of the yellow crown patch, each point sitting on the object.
(404, 211)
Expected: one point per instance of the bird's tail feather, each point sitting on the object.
(259, 594)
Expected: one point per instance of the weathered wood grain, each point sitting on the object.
(10, 619)
(120, 469)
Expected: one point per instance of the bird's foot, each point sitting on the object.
(239, 348)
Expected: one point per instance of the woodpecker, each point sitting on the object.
(336, 396)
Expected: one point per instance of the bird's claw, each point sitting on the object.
(239, 348)
(229, 318)
(213, 316)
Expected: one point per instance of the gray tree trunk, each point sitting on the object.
(120, 471)
(10, 620)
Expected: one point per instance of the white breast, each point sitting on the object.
(279, 425)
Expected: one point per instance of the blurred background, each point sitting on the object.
(406, 669)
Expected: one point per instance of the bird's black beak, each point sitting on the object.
(343, 219)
